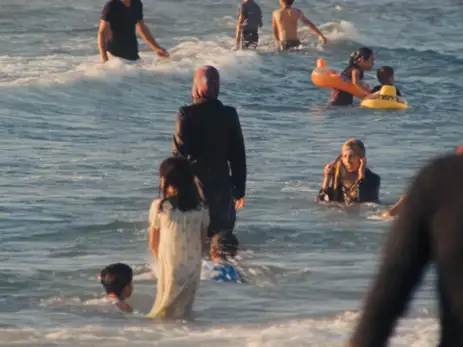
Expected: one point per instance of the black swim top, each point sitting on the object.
(341, 98)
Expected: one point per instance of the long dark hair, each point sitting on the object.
(177, 173)
(362, 53)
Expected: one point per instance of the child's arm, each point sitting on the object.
(154, 227)
(154, 240)
(356, 80)
(313, 27)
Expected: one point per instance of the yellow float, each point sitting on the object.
(386, 98)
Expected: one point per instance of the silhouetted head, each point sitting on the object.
(178, 184)
(206, 84)
(385, 75)
(364, 58)
(224, 246)
(117, 279)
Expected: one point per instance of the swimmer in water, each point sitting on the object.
(347, 179)
(385, 76)
(284, 24)
(359, 61)
(116, 34)
(394, 210)
(428, 231)
(248, 24)
(117, 282)
(224, 246)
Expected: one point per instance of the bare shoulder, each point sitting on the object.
(276, 12)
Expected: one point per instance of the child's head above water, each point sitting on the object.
(117, 280)
(224, 246)
(364, 58)
(178, 184)
(385, 75)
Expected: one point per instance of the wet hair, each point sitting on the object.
(225, 244)
(288, 2)
(115, 278)
(384, 73)
(363, 53)
(178, 174)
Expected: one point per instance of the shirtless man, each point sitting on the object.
(120, 20)
(284, 23)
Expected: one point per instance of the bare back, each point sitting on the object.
(286, 21)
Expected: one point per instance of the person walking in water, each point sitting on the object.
(119, 22)
(428, 231)
(248, 24)
(284, 24)
(209, 135)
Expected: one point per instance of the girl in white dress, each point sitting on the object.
(178, 224)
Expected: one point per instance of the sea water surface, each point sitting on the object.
(81, 145)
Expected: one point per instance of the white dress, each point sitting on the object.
(179, 258)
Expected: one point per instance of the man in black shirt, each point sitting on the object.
(116, 34)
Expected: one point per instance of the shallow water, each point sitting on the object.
(82, 143)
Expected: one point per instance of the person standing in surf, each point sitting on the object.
(209, 135)
(284, 24)
(178, 224)
(119, 22)
(248, 24)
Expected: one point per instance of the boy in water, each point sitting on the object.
(385, 76)
(224, 246)
(284, 24)
(248, 24)
(117, 282)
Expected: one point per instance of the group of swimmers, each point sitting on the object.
(204, 183)
(120, 19)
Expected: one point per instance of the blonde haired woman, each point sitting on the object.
(347, 179)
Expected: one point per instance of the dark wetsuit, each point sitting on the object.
(378, 88)
(209, 135)
(122, 20)
(429, 229)
(342, 98)
(252, 20)
(368, 190)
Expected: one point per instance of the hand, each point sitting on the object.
(162, 52)
(239, 204)
(385, 214)
(363, 164)
(323, 39)
(329, 168)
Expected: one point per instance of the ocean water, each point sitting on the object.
(81, 144)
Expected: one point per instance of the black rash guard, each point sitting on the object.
(122, 20)
(429, 229)
(209, 135)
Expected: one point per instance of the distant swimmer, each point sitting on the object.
(360, 61)
(385, 76)
(428, 233)
(248, 24)
(284, 23)
(347, 179)
(120, 20)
